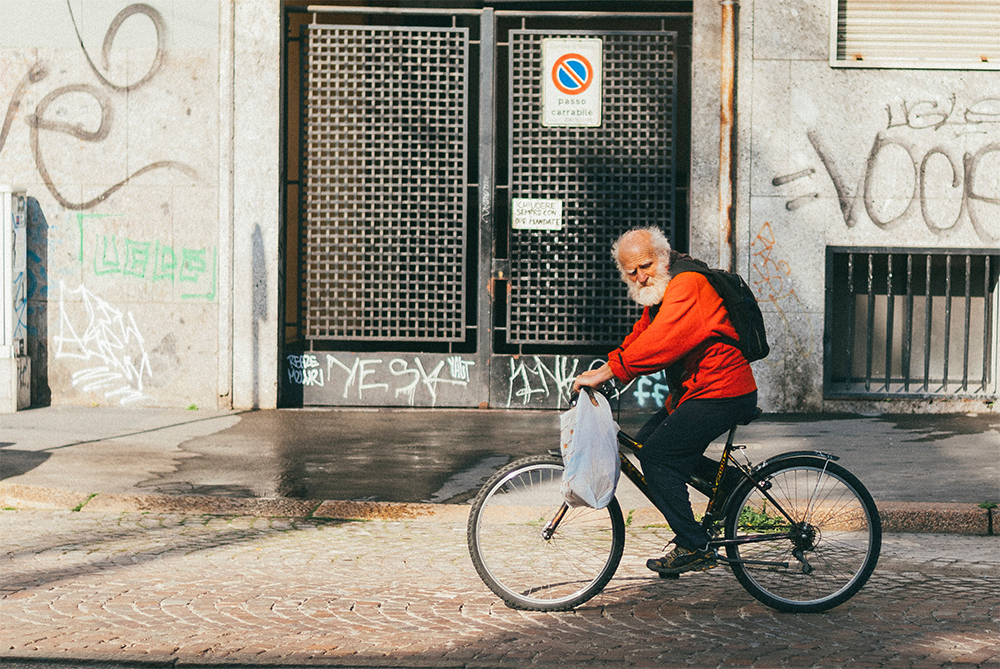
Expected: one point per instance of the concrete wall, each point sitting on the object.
(148, 249)
(255, 201)
(813, 140)
(147, 136)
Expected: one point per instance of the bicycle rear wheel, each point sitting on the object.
(837, 535)
(523, 568)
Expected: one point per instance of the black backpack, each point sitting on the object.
(739, 300)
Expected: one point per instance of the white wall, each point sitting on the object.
(141, 231)
(808, 137)
(256, 158)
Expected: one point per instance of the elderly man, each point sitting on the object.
(684, 329)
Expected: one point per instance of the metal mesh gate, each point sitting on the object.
(385, 119)
(564, 286)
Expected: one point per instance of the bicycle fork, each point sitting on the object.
(550, 527)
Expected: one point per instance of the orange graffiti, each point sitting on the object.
(772, 280)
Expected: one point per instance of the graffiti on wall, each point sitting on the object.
(935, 161)
(425, 380)
(39, 121)
(532, 379)
(20, 306)
(108, 341)
(548, 381)
(62, 114)
(772, 280)
(148, 260)
(366, 378)
(652, 389)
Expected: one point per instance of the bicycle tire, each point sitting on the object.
(837, 527)
(517, 563)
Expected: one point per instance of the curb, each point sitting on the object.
(943, 518)
(913, 517)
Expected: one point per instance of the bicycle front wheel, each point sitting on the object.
(525, 569)
(831, 540)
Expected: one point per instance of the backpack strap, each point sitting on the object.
(682, 262)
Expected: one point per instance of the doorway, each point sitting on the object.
(412, 136)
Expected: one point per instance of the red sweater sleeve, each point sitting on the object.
(687, 328)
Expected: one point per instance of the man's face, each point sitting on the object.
(645, 271)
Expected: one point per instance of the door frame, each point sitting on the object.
(533, 378)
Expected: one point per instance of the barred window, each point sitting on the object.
(911, 323)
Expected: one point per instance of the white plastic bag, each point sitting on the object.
(589, 436)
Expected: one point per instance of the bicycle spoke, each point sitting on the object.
(515, 560)
(834, 544)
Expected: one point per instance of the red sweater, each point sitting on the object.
(686, 328)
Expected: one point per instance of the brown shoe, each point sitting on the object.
(681, 560)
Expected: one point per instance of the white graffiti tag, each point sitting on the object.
(551, 380)
(109, 338)
(305, 370)
(459, 367)
(359, 371)
(366, 378)
(562, 373)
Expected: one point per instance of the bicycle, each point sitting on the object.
(800, 532)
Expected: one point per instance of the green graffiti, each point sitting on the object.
(166, 262)
(152, 260)
(136, 258)
(80, 218)
(210, 295)
(192, 264)
(106, 265)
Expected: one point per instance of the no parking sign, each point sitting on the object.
(571, 82)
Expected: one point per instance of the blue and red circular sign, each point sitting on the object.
(572, 74)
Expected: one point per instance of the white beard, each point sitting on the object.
(653, 293)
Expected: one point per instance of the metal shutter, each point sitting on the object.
(941, 34)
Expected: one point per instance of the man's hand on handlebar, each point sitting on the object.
(593, 378)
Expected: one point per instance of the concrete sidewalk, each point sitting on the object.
(928, 473)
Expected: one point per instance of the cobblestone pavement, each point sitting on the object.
(198, 589)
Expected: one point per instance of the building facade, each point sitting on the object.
(264, 203)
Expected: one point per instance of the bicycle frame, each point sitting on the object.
(717, 508)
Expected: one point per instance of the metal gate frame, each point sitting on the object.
(482, 378)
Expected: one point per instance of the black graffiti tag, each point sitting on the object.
(109, 38)
(37, 121)
(964, 178)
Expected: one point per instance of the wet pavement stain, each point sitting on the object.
(386, 455)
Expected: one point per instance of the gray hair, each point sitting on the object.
(657, 239)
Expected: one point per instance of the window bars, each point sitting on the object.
(911, 323)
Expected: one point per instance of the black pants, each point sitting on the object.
(672, 446)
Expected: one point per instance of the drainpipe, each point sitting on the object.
(727, 138)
